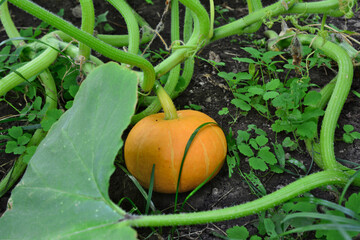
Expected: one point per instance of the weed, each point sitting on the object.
(350, 135)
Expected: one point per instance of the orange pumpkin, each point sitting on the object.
(154, 140)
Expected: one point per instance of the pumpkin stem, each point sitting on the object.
(166, 103)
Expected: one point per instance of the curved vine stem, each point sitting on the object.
(172, 79)
(91, 41)
(131, 24)
(9, 25)
(87, 25)
(30, 69)
(271, 200)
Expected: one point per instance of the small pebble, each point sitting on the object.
(215, 192)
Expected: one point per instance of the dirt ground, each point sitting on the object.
(206, 91)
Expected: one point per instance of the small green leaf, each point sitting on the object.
(256, 182)
(223, 111)
(270, 95)
(255, 237)
(280, 125)
(272, 85)
(253, 144)
(37, 103)
(231, 162)
(265, 154)
(312, 98)
(243, 136)
(270, 227)
(355, 135)
(195, 107)
(254, 53)
(297, 163)
(280, 154)
(257, 164)
(312, 113)
(254, 90)
(241, 104)
(261, 140)
(267, 56)
(22, 140)
(101, 18)
(242, 97)
(348, 128)
(51, 117)
(29, 153)
(10, 146)
(237, 233)
(276, 169)
(245, 60)
(245, 150)
(69, 104)
(347, 138)
(19, 150)
(261, 108)
(353, 202)
(15, 132)
(289, 143)
(108, 27)
(5, 53)
(307, 130)
(73, 89)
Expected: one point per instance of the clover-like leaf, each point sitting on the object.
(15, 132)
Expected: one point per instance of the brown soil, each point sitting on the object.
(206, 91)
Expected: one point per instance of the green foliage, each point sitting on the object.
(19, 140)
(102, 20)
(66, 184)
(329, 220)
(260, 155)
(350, 135)
(193, 106)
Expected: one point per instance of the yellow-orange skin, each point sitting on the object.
(154, 140)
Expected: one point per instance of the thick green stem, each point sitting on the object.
(212, 18)
(238, 26)
(48, 82)
(68, 49)
(9, 25)
(30, 69)
(338, 98)
(330, 7)
(271, 200)
(198, 38)
(91, 41)
(131, 24)
(254, 5)
(123, 40)
(172, 80)
(166, 103)
(87, 25)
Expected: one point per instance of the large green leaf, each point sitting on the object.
(64, 192)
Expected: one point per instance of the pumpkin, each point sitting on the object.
(154, 140)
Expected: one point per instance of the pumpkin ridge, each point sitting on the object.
(214, 129)
(206, 157)
(140, 146)
(172, 158)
